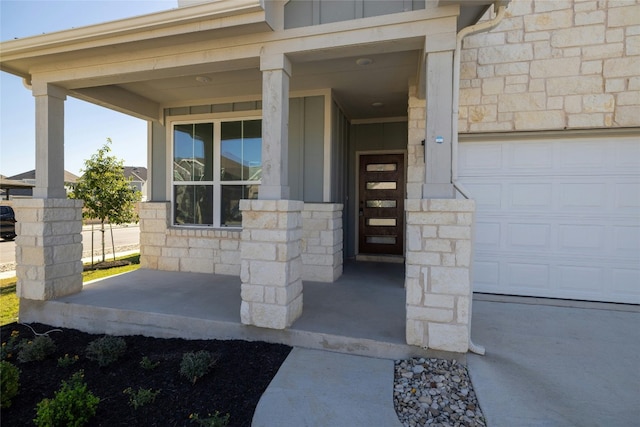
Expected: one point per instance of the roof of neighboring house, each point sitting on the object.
(68, 176)
(136, 173)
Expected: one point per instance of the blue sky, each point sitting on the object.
(87, 126)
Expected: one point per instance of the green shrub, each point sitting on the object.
(9, 383)
(72, 406)
(195, 365)
(141, 397)
(9, 348)
(215, 420)
(106, 350)
(147, 364)
(36, 350)
(66, 360)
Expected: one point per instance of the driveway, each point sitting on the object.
(557, 366)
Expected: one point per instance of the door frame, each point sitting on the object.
(356, 213)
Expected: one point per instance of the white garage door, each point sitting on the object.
(556, 217)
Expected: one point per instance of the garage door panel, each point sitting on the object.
(626, 241)
(528, 275)
(557, 218)
(530, 195)
(627, 197)
(526, 235)
(586, 239)
(488, 235)
(591, 196)
(581, 278)
(525, 157)
(626, 284)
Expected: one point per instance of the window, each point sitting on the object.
(215, 164)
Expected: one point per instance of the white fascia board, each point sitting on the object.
(209, 16)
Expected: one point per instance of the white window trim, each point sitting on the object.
(217, 183)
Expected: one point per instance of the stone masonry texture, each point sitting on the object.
(553, 65)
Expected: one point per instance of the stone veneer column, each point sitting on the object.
(271, 262)
(322, 242)
(153, 233)
(438, 267)
(48, 247)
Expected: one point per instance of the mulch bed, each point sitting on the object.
(234, 385)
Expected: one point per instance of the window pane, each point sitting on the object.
(193, 204)
(241, 151)
(381, 185)
(382, 240)
(381, 222)
(381, 167)
(381, 203)
(230, 215)
(193, 152)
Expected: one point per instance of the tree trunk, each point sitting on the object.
(102, 231)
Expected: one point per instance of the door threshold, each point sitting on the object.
(395, 259)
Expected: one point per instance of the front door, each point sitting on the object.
(381, 212)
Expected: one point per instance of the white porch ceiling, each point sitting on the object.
(385, 80)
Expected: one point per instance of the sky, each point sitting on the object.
(87, 126)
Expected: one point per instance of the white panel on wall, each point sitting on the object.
(556, 217)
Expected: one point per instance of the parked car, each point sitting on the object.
(7, 223)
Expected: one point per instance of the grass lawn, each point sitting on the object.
(9, 300)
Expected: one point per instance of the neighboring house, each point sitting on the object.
(138, 176)
(29, 179)
(342, 120)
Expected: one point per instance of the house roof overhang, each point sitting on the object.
(143, 64)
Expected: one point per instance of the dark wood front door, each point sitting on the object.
(381, 204)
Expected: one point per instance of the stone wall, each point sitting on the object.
(197, 250)
(415, 149)
(48, 247)
(271, 272)
(322, 242)
(438, 273)
(217, 251)
(554, 65)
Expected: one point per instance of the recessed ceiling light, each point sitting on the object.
(364, 61)
(203, 79)
(377, 104)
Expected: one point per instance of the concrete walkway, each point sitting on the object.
(545, 366)
(315, 388)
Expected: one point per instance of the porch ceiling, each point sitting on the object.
(384, 80)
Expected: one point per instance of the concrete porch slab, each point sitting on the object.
(362, 313)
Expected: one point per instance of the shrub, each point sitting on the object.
(195, 365)
(147, 364)
(10, 347)
(9, 383)
(106, 350)
(72, 405)
(66, 360)
(141, 397)
(215, 420)
(36, 349)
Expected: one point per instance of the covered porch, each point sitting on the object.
(291, 96)
(361, 313)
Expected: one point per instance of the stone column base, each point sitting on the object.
(48, 247)
(438, 279)
(322, 242)
(271, 265)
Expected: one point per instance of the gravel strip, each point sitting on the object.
(435, 392)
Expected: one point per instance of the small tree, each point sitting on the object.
(106, 192)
